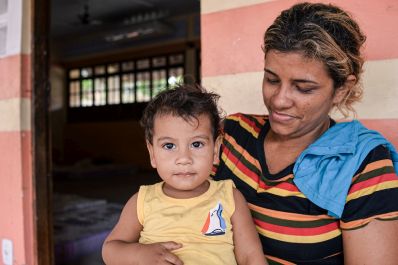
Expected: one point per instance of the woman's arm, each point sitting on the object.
(121, 247)
(376, 243)
(370, 233)
(248, 249)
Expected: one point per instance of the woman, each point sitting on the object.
(320, 192)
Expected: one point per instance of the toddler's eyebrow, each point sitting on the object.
(165, 138)
(168, 138)
(206, 137)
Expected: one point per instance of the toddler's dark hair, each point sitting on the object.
(185, 101)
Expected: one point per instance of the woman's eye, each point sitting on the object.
(305, 90)
(272, 81)
(197, 144)
(168, 146)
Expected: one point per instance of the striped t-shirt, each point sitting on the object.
(292, 229)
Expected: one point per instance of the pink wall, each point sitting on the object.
(387, 127)
(15, 82)
(229, 49)
(16, 184)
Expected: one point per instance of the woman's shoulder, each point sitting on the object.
(251, 122)
(373, 191)
(245, 116)
(379, 157)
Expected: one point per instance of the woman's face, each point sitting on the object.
(298, 93)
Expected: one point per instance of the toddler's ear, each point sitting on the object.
(149, 146)
(217, 145)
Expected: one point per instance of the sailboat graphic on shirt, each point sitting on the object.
(215, 223)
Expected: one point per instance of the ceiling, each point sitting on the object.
(92, 26)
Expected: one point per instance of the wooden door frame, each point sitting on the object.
(41, 154)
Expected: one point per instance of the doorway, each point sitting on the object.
(99, 62)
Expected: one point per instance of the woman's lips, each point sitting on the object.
(281, 117)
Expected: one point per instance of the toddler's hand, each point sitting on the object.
(159, 254)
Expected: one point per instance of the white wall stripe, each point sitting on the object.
(380, 81)
(15, 114)
(239, 92)
(26, 27)
(242, 92)
(211, 6)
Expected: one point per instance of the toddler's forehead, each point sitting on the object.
(192, 119)
(195, 120)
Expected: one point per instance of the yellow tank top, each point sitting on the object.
(202, 224)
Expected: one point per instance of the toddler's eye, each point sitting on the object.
(168, 146)
(197, 144)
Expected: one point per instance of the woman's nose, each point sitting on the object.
(282, 97)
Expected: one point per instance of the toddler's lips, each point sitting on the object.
(184, 174)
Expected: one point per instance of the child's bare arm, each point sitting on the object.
(248, 249)
(121, 247)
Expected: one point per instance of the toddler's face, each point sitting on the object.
(183, 152)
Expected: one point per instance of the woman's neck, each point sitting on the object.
(282, 151)
(298, 142)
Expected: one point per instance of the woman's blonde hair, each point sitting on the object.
(326, 33)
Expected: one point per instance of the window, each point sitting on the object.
(126, 82)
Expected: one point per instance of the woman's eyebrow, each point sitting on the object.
(298, 80)
(270, 72)
(305, 81)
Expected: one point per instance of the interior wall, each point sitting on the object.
(57, 111)
(121, 142)
(16, 184)
(118, 141)
(232, 59)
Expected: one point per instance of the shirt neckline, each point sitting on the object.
(262, 158)
(206, 194)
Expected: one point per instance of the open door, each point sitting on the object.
(78, 44)
(40, 131)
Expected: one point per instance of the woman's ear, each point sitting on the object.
(217, 145)
(341, 93)
(149, 146)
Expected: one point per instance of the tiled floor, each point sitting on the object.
(92, 259)
(112, 189)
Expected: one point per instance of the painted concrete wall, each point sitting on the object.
(231, 65)
(232, 59)
(16, 188)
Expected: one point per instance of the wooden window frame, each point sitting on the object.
(122, 110)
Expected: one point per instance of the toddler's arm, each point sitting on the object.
(121, 247)
(248, 249)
